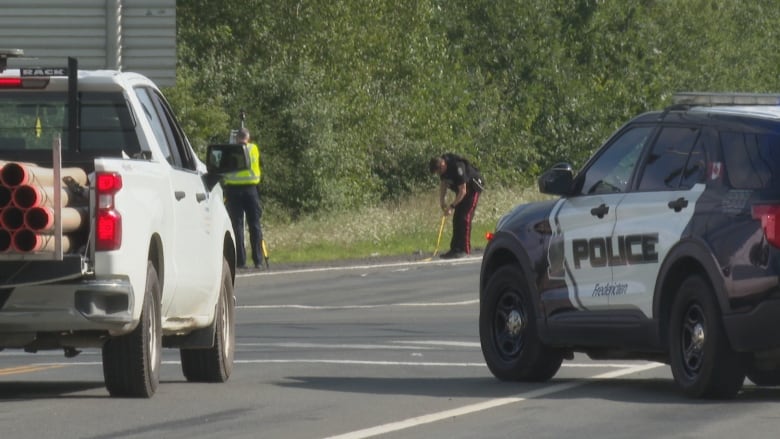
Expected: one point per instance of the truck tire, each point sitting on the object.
(703, 363)
(508, 332)
(215, 364)
(131, 363)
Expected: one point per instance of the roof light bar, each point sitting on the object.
(697, 98)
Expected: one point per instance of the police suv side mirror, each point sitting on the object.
(557, 180)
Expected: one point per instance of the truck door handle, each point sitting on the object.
(600, 211)
(678, 204)
(179, 195)
(200, 196)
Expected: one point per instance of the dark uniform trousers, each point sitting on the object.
(241, 200)
(461, 222)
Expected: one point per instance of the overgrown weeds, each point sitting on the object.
(407, 228)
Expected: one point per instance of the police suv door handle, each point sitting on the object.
(600, 211)
(200, 196)
(678, 204)
(179, 195)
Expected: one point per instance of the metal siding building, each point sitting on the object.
(128, 35)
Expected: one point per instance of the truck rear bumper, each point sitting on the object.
(95, 304)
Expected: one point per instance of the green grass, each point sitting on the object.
(405, 229)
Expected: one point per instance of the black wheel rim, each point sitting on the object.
(692, 339)
(509, 325)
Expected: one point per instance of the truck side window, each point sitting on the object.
(174, 133)
(154, 120)
(665, 165)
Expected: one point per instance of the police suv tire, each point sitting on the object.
(508, 331)
(703, 363)
(215, 364)
(131, 362)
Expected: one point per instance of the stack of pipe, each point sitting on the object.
(27, 208)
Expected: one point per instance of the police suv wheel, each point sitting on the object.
(508, 332)
(703, 363)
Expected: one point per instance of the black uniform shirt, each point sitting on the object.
(456, 173)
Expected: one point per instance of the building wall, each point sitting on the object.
(129, 35)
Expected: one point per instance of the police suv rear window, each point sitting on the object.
(752, 160)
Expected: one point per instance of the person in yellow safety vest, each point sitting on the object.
(242, 198)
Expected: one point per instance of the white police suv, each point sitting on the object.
(664, 246)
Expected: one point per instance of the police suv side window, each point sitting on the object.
(752, 160)
(666, 163)
(696, 168)
(611, 171)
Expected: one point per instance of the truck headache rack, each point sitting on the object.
(39, 246)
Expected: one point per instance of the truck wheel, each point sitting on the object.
(508, 331)
(215, 364)
(703, 363)
(131, 363)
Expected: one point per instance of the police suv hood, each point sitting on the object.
(524, 214)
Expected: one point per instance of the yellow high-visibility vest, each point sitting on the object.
(249, 176)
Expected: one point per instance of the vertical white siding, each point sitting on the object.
(130, 35)
(150, 39)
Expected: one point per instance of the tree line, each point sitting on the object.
(348, 99)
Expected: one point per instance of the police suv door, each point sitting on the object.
(586, 220)
(652, 219)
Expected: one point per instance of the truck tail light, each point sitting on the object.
(769, 214)
(108, 222)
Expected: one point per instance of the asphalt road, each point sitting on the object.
(355, 352)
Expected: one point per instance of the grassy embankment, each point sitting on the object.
(406, 229)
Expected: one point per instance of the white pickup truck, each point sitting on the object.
(130, 248)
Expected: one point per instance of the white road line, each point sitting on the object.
(445, 343)
(486, 405)
(385, 305)
(621, 366)
(361, 362)
(297, 345)
(463, 261)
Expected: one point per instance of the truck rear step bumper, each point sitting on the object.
(99, 304)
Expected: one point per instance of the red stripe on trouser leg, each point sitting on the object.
(469, 216)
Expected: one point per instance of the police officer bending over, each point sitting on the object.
(457, 174)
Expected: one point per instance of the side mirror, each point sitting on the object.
(224, 158)
(227, 157)
(557, 180)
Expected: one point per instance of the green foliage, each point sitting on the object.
(349, 99)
